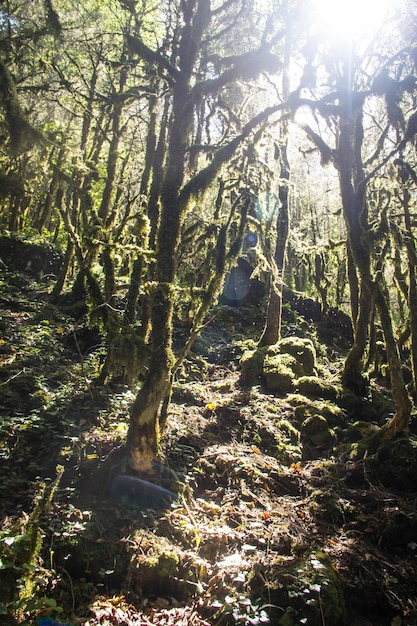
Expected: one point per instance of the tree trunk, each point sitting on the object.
(174, 198)
(272, 331)
(143, 435)
(144, 432)
(412, 285)
(400, 422)
(60, 282)
(353, 193)
(352, 377)
(113, 154)
(353, 285)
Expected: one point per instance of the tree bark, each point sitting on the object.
(143, 435)
(412, 279)
(400, 421)
(272, 331)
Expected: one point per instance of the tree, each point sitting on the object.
(345, 108)
(201, 23)
(272, 331)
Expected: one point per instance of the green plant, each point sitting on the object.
(20, 548)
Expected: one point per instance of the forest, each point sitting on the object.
(208, 312)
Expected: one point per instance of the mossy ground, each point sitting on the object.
(269, 526)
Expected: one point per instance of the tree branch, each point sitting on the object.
(202, 180)
(137, 46)
(327, 154)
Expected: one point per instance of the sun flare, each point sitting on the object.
(350, 19)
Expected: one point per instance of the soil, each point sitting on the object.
(269, 525)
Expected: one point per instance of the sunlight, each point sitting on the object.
(350, 19)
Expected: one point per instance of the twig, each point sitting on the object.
(22, 371)
(71, 588)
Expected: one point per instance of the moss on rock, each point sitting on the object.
(280, 365)
(326, 507)
(251, 366)
(316, 429)
(334, 415)
(301, 349)
(360, 429)
(288, 449)
(396, 463)
(318, 388)
(280, 372)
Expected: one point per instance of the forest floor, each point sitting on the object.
(268, 527)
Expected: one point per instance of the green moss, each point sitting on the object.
(297, 399)
(168, 564)
(312, 590)
(396, 463)
(157, 571)
(317, 387)
(326, 507)
(301, 349)
(251, 365)
(279, 365)
(316, 429)
(334, 415)
(360, 429)
(280, 372)
(288, 431)
(288, 449)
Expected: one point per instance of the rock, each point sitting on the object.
(33, 259)
(279, 365)
(280, 372)
(334, 415)
(318, 388)
(396, 464)
(307, 307)
(360, 429)
(301, 349)
(251, 366)
(336, 326)
(316, 429)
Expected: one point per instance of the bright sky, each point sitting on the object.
(350, 19)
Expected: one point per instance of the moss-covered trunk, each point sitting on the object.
(272, 331)
(144, 431)
(412, 280)
(400, 421)
(143, 435)
(174, 195)
(353, 191)
(355, 211)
